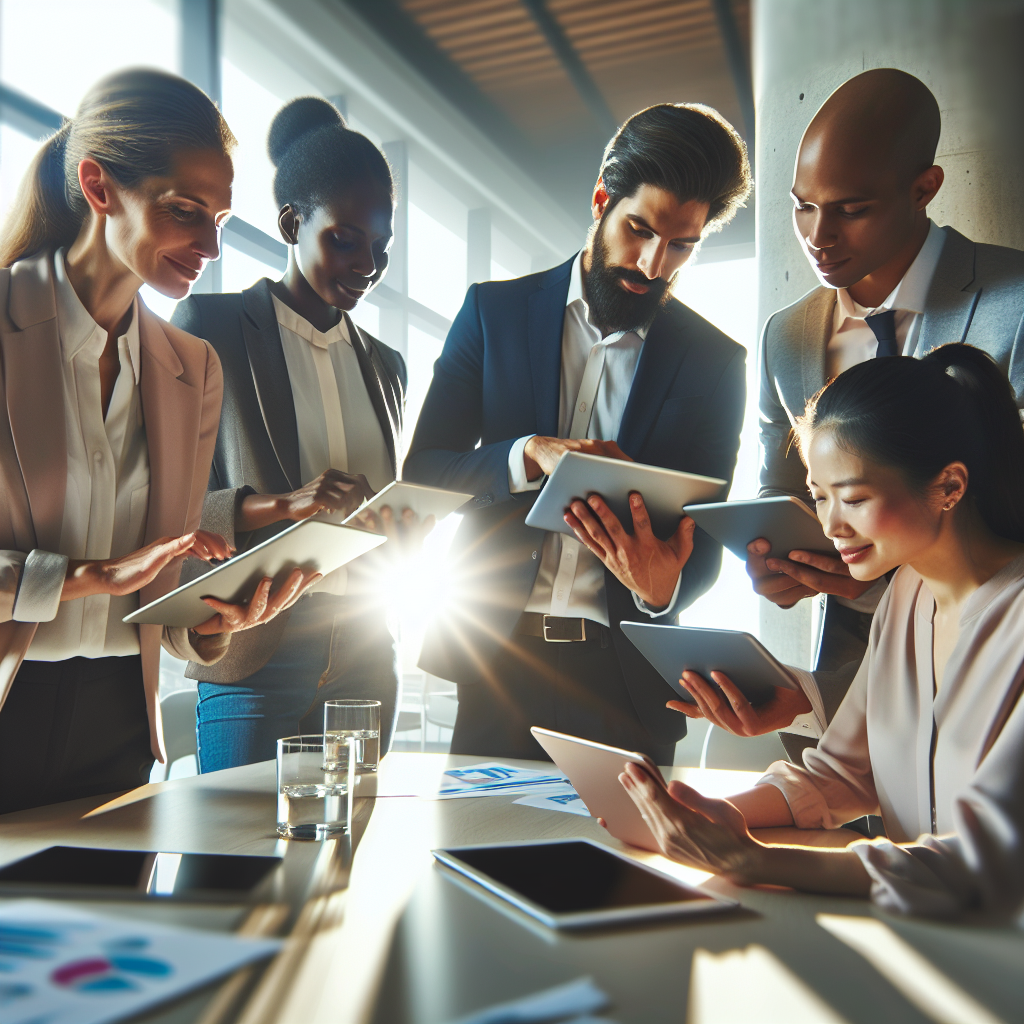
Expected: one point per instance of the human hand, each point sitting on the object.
(541, 454)
(407, 531)
(260, 608)
(702, 833)
(132, 572)
(731, 711)
(784, 581)
(642, 562)
(332, 491)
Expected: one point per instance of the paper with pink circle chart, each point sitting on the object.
(65, 966)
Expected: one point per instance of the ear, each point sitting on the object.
(925, 185)
(952, 485)
(96, 185)
(599, 202)
(288, 221)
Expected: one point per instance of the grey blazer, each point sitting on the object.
(257, 447)
(976, 296)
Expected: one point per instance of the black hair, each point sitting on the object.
(317, 157)
(920, 415)
(687, 149)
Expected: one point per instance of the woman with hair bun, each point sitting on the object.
(916, 464)
(312, 422)
(105, 448)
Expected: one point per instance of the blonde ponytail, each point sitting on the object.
(132, 123)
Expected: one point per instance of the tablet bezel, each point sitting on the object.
(705, 903)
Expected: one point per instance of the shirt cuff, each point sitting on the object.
(648, 610)
(517, 482)
(813, 722)
(40, 587)
(868, 601)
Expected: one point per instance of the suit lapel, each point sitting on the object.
(545, 318)
(951, 300)
(35, 395)
(815, 333)
(385, 393)
(172, 410)
(270, 375)
(660, 358)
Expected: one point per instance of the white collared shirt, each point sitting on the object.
(570, 580)
(853, 342)
(337, 425)
(107, 497)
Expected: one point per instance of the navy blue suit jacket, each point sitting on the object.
(497, 380)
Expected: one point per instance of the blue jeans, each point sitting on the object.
(332, 648)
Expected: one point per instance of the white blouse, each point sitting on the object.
(944, 769)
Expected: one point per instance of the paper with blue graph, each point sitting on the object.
(60, 965)
(491, 778)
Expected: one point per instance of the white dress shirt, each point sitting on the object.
(942, 759)
(107, 497)
(853, 341)
(337, 425)
(596, 378)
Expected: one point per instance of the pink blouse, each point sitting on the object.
(944, 769)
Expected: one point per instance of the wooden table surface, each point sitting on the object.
(386, 936)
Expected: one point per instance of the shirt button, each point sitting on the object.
(97, 456)
(583, 406)
(534, 555)
(560, 595)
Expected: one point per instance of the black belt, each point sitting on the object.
(558, 630)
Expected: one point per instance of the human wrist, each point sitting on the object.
(85, 578)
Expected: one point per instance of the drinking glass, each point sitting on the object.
(312, 803)
(356, 720)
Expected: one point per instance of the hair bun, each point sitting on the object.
(296, 119)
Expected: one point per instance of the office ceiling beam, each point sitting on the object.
(739, 67)
(574, 67)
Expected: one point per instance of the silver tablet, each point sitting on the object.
(786, 522)
(313, 545)
(578, 883)
(672, 649)
(665, 491)
(424, 501)
(594, 770)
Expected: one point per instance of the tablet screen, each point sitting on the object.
(575, 877)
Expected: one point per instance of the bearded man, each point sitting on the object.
(594, 356)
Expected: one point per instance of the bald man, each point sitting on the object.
(892, 282)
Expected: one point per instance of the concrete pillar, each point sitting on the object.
(971, 55)
(394, 317)
(478, 246)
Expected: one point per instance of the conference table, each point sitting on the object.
(376, 932)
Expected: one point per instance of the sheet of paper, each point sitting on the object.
(558, 798)
(60, 965)
(578, 999)
(492, 777)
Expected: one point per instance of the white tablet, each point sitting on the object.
(672, 649)
(594, 769)
(665, 491)
(424, 501)
(786, 523)
(577, 883)
(313, 545)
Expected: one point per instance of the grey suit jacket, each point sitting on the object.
(976, 296)
(258, 442)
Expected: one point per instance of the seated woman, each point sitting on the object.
(917, 464)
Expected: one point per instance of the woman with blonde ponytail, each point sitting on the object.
(107, 434)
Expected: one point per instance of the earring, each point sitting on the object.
(949, 505)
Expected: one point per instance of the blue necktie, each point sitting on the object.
(883, 327)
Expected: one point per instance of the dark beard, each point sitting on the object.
(612, 308)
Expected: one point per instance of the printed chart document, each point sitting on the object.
(492, 777)
(557, 798)
(60, 965)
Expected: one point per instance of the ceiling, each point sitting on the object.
(549, 80)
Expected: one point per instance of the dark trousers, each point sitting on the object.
(71, 729)
(332, 648)
(575, 688)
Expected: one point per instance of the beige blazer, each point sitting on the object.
(181, 386)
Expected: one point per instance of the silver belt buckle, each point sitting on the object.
(563, 640)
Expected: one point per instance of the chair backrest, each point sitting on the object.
(441, 709)
(178, 711)
(742, 753)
